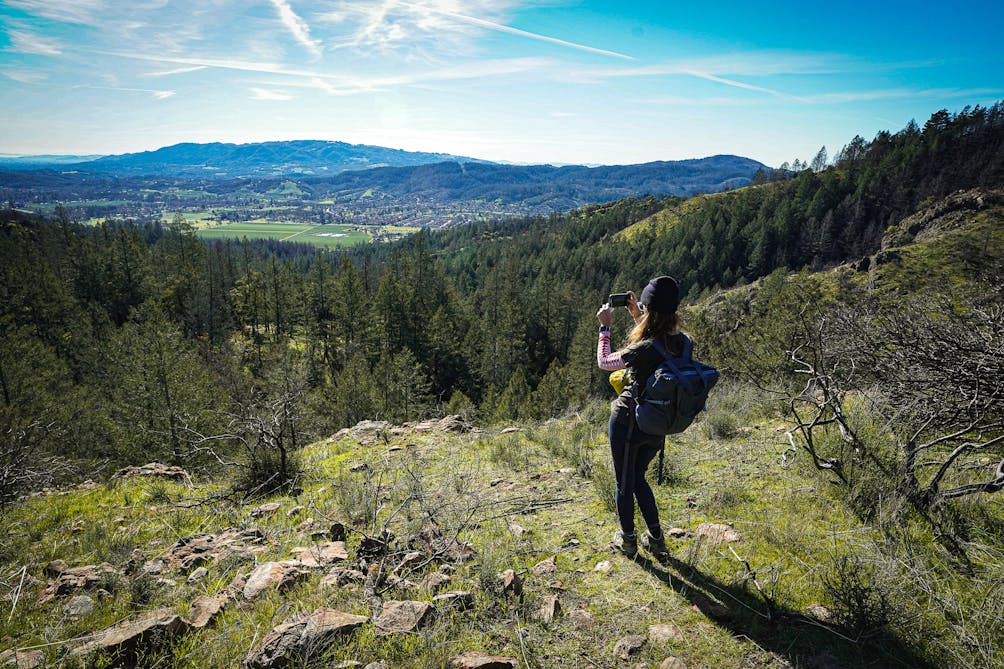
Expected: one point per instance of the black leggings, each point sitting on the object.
(631, 483)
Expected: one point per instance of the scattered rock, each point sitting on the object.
(296, 510)
(628, 646)
(819, 612)
(664, 633)
(71, 579)
(581, 618)
(510, 585)
(338, 532)
(142, 632)
(205, 608)
(603, 567)
(154, 469)
(55, 568)
(678, 533)
(343, 576)
(197, 575)
(374, 546)
(473, 659)
(673, 663)
(289, 643)
(271, 574)
(79, 606)
(516, 529)
(379, 664)
(510, 430)
(201, 549)
(402, 616)
(364, 428)
(549, 609)
(716, 533)
(264, 509)
(321, 554)
(434, 581)
(548, 566)
(458, 600)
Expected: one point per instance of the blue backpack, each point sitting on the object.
(674, 393)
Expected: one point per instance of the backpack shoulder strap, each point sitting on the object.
(672, 364)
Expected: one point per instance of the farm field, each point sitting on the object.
(325, 236)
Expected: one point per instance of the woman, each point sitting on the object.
(632, 450)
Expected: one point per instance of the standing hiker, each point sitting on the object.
(632, 450)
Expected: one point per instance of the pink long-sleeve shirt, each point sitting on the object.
(606, 360)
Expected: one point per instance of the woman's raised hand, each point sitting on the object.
(605, 315)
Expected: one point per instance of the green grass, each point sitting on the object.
(325, 236)
(521, 497)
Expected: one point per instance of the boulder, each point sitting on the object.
(205, 608)
(154, 469)
(473, 659)
(403, 616)
(280, 575)
(628, 646)
(716, 533)
(294, 642)
(141, 632)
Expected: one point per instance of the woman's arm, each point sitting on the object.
(606, 360)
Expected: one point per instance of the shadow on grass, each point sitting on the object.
(804, 641)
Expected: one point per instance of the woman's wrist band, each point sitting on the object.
(605, 328)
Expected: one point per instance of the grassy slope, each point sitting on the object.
(789, 524)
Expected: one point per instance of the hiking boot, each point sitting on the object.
(657, 547)
(626, 543)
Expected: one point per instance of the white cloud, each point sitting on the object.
(24, 41)
(264, 94)
(69, 11)
(297, 26)
(25, 76)
(180, 70)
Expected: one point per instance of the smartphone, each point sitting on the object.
(618, 300)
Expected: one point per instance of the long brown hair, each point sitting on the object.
(654, 324)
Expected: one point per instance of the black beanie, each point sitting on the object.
(662, 294)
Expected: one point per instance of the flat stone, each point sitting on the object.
(205, 608)
(198, 574)
(548, 566)
(434, 581)
(270, 574)
(473, 659)
(343, 576)
(581, 618)
(265, 509)
(22, 659)
(295, 511)
(144, 631)
(322, 554)
(819, 612)
(79, 606)
(664, 633)
(289, 643)
(672, 663)
(402, 616)
(454, 599)
(677, 533)
(628, 646)
(604, 567)
(716, 533)
(154, 469)
(72, 579)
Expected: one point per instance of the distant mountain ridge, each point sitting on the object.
(219, 160)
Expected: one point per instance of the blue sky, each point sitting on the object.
(554, 81)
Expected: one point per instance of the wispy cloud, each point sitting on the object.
(25, 76)
(264, 94)
(69, 11)
(737, 84)
(684, 101)
(25, 41)
(156, 94)
(297, 26)
(180, 70)
(901, 94)
(349, 84)
(492, 25)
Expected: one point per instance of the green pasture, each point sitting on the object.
(325, 236)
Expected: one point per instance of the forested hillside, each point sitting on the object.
(146, 336)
